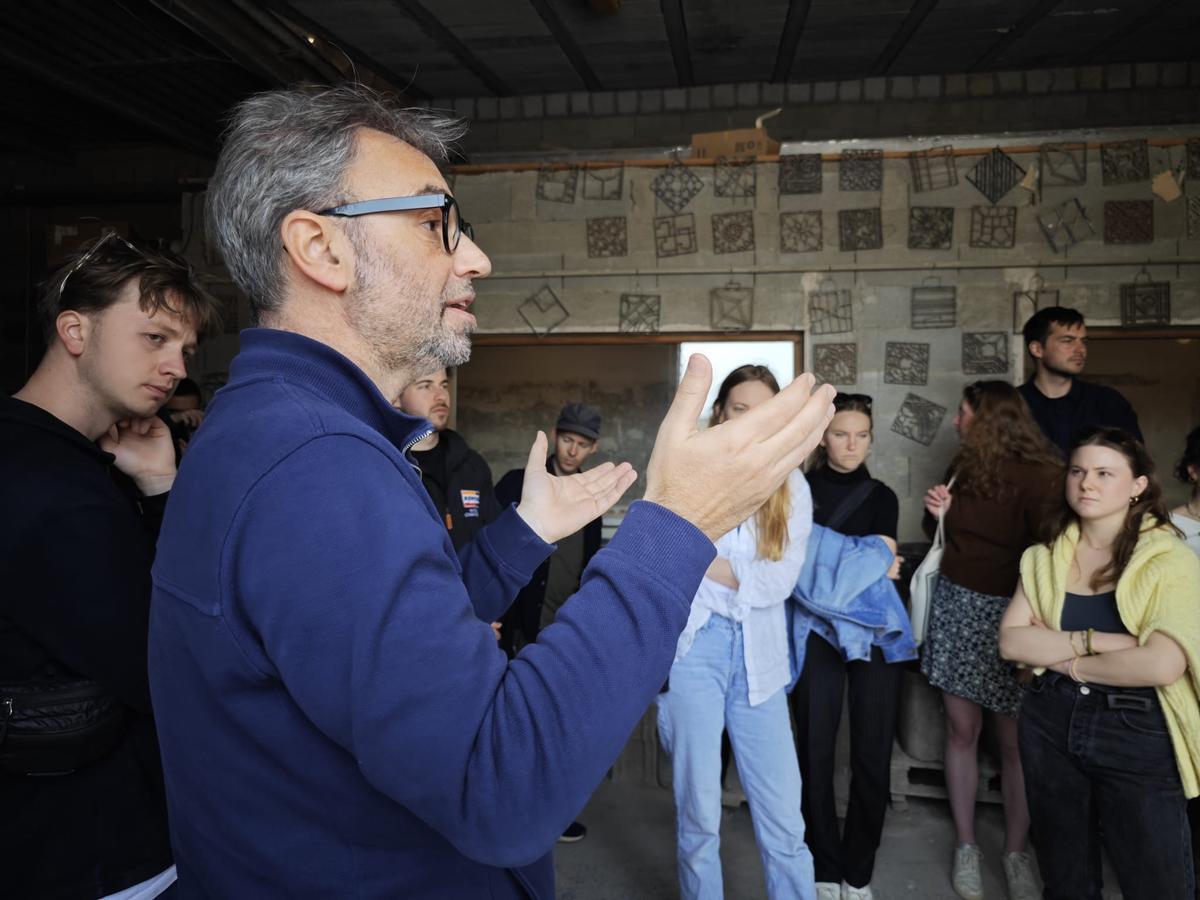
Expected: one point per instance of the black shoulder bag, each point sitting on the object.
(56, 722)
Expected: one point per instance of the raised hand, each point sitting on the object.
(555, 507)
(144, 451)
(718, 477)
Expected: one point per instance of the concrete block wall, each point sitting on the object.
(536, 243)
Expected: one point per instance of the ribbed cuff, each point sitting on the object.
(657, 539)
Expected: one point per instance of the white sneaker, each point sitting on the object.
(853, 893)
(967, 876)
(1018, 873)
(829, 890)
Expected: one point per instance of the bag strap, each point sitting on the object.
(850, 503)
(939, 538)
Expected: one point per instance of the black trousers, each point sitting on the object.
(1100, 770)
(817, 706)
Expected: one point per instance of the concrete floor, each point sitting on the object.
(629, 853)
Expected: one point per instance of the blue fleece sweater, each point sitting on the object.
(336, 719)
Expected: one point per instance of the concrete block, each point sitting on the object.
(699, 97)
(650, 101)
(465, 107)
(1010, 82)
(955, 85)
(1038, 81)
(627, 102)
(1063, 80)
(929, 86)
(748, 95)
(1146, 74)
(674, 98)
(604, 103)
(825, 92)
(1118, 77)
(772, 94)
(510, 107)
(1090, 78)
(903, 87)
(1174, 74)
(875, 88)
(802, 93)
(850, 91)
(982, 84)
(580, 103)
(557, 104)
(533, 106)
(724, 96)
(487, 108)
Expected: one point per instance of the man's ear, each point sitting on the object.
(73, 329)
(1036, 349)
(318, 250)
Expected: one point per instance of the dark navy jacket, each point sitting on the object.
(1085, 405)
(314, 743)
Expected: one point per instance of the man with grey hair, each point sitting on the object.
(314, 742)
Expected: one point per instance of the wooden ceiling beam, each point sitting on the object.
(793, 29)
(289, 15)
(433, 27)
(566, 43)
(916, 15)
(99, 93)
(1032, 16)
(1124, 30)
(227, 29)
(676, 25)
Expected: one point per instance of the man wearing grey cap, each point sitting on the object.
(575, 437)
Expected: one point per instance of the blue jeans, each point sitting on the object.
(1099, 767)
(708, 693)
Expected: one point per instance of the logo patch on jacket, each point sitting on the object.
(470, 502)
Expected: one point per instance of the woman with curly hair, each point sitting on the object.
(1000, 481)
(1110, 730)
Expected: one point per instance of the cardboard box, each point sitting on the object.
(740, 143)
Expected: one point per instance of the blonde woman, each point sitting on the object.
(731, 668)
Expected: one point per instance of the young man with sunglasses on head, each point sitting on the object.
(85, 466)
(335, 716)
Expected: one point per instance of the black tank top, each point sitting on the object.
(1098, 611)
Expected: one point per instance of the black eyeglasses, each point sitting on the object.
(454, 226)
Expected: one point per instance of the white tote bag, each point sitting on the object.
(924, 580)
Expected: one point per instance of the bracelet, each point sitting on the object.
(1091, 633)
(1071, 671)
(1071, 640)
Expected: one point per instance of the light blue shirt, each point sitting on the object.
(757, 604)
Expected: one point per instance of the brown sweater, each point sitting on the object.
(985, 536)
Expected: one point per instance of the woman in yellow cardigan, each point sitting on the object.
(1108, 615)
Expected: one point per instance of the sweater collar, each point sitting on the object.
(270, 353)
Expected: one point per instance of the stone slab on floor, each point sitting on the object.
(629, 853)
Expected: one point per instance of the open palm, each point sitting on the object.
(558, 506)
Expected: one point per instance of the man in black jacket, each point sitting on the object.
(85, 466)
(1061, 402)
(575, 437)
(457, 478)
